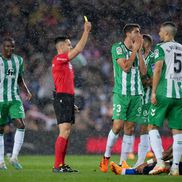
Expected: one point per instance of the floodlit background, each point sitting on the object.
(35, 23)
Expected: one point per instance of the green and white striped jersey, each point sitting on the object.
(10, 70)
(149, 62)
(170, 83)
(125, 83)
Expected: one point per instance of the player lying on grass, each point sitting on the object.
(144, 168)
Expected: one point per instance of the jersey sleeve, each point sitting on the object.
(158, 54)
(117, 52)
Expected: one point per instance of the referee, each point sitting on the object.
(63, 76)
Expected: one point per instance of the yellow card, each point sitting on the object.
(85, 18)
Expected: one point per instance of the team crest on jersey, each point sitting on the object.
(156, 53)
(145, 113)
(119, 50)
(139, 111)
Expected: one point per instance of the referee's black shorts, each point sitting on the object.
(64, 108)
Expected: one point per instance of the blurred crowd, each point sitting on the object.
(35, 23)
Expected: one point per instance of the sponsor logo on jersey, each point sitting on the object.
(177, 78)
(61, 59)
(10, 72)
(119, 50)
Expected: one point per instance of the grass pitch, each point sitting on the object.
(38, 169)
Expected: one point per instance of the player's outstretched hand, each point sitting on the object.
(87, 26)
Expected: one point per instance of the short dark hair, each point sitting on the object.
(60, 39)
(172, 26)
(129, 28)
(148, 38)
(8, 39)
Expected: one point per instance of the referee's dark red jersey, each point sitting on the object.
(63, 74)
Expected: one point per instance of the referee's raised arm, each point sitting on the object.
(81, 44)
(63, 76)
